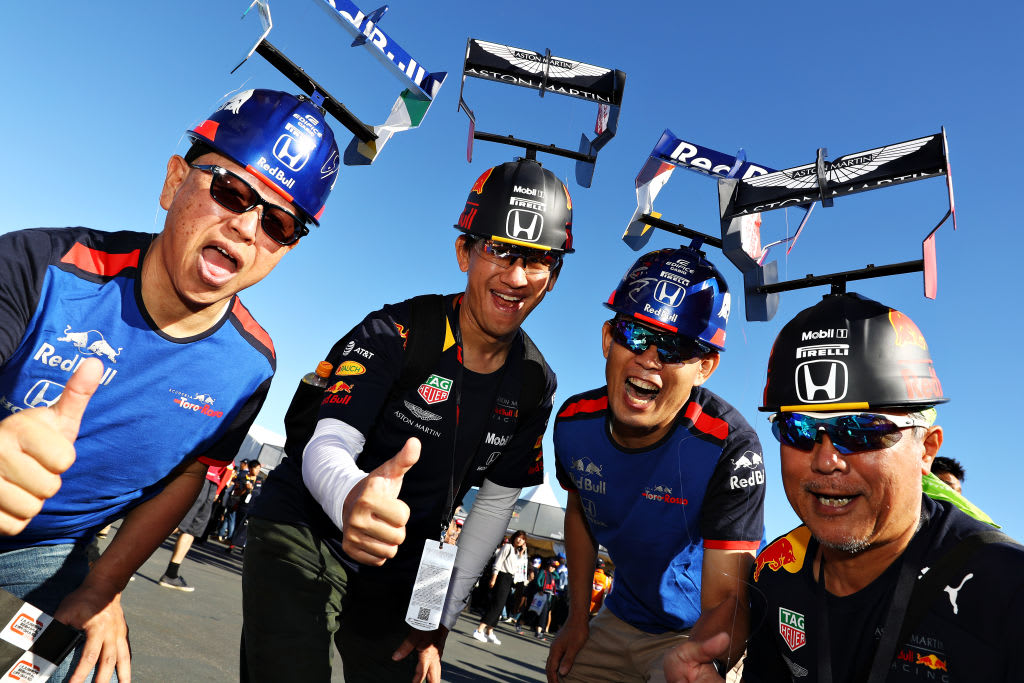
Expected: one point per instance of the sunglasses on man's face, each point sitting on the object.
(535, 261)
(671, 347)
(849, 432)
(238, 196)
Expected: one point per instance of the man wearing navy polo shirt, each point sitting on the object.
(663, 473)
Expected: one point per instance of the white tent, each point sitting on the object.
(537, 511)
(264, 445)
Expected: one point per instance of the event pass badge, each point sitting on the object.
(431, 587)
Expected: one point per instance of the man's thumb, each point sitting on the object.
(396, 467)
(72, 402)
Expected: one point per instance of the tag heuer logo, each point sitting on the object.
(435, 389)
(791, 628)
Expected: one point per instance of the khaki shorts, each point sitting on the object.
(616, 652)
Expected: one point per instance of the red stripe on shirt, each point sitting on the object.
(250, 325)
(100, 262)
(585, 406)
(731, 545)
(705, 423)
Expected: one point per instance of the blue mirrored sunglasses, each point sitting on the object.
(848, 432)
(672, 348)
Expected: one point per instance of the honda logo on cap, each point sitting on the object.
(291, 152)
(524, 225)
(668, 293)
(821, 381)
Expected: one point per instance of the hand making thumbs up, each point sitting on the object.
(374, 516)
(37, 446)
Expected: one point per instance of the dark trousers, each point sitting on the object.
(299, 601)
(499, 595)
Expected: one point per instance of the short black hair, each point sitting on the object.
(944, 465)
(198, 149)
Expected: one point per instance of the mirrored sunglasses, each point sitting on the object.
(849, 432)
(672, 348)
(238, 196)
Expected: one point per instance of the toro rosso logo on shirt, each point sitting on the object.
(197, 403)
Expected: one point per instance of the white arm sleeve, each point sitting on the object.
(483, 530)
(329, 467)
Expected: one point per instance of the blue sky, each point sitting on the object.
(96, 96)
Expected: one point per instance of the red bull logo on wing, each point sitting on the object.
(906, 330)
(786, 553)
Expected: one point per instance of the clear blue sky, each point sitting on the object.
(96, 96)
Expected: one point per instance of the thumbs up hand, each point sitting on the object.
(374, 516)
(37, 445)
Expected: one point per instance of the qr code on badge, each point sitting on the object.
(424, 614)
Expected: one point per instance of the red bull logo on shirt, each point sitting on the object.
(932, 662)
(786, 553)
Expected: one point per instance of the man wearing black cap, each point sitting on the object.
(337, 536)
(881, 583)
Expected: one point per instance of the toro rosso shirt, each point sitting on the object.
(492, 441)
(70, 294)
(656, 509)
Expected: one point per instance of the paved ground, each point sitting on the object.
(194, 636)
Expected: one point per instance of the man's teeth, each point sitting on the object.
(226, 255)
(833, 502)
(506, 297)
(642, 386)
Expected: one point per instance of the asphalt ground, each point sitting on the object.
(194, 636)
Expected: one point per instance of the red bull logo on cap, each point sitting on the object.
(906, 330)
(478, 186)
(786, 553)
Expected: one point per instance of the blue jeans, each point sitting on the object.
(43, 576)
(227, 527)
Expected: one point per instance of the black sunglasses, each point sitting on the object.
(234, 194)
(672, 348)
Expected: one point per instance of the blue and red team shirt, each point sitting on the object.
(657, 509)
(73, 293)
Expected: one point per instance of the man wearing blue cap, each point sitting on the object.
(663, 473)
(128, 365)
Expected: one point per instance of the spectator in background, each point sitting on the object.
(193, 525)
(511, 562)
(602, 586)
(950, 471)
(254, 488)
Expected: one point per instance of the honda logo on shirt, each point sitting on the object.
(291, 152)
(668, 293)
(524, 225)
(43, 393)
(821, 381)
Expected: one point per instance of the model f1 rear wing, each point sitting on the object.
(547, 73)
(670, 153)
(742, 199)
(409, 109)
